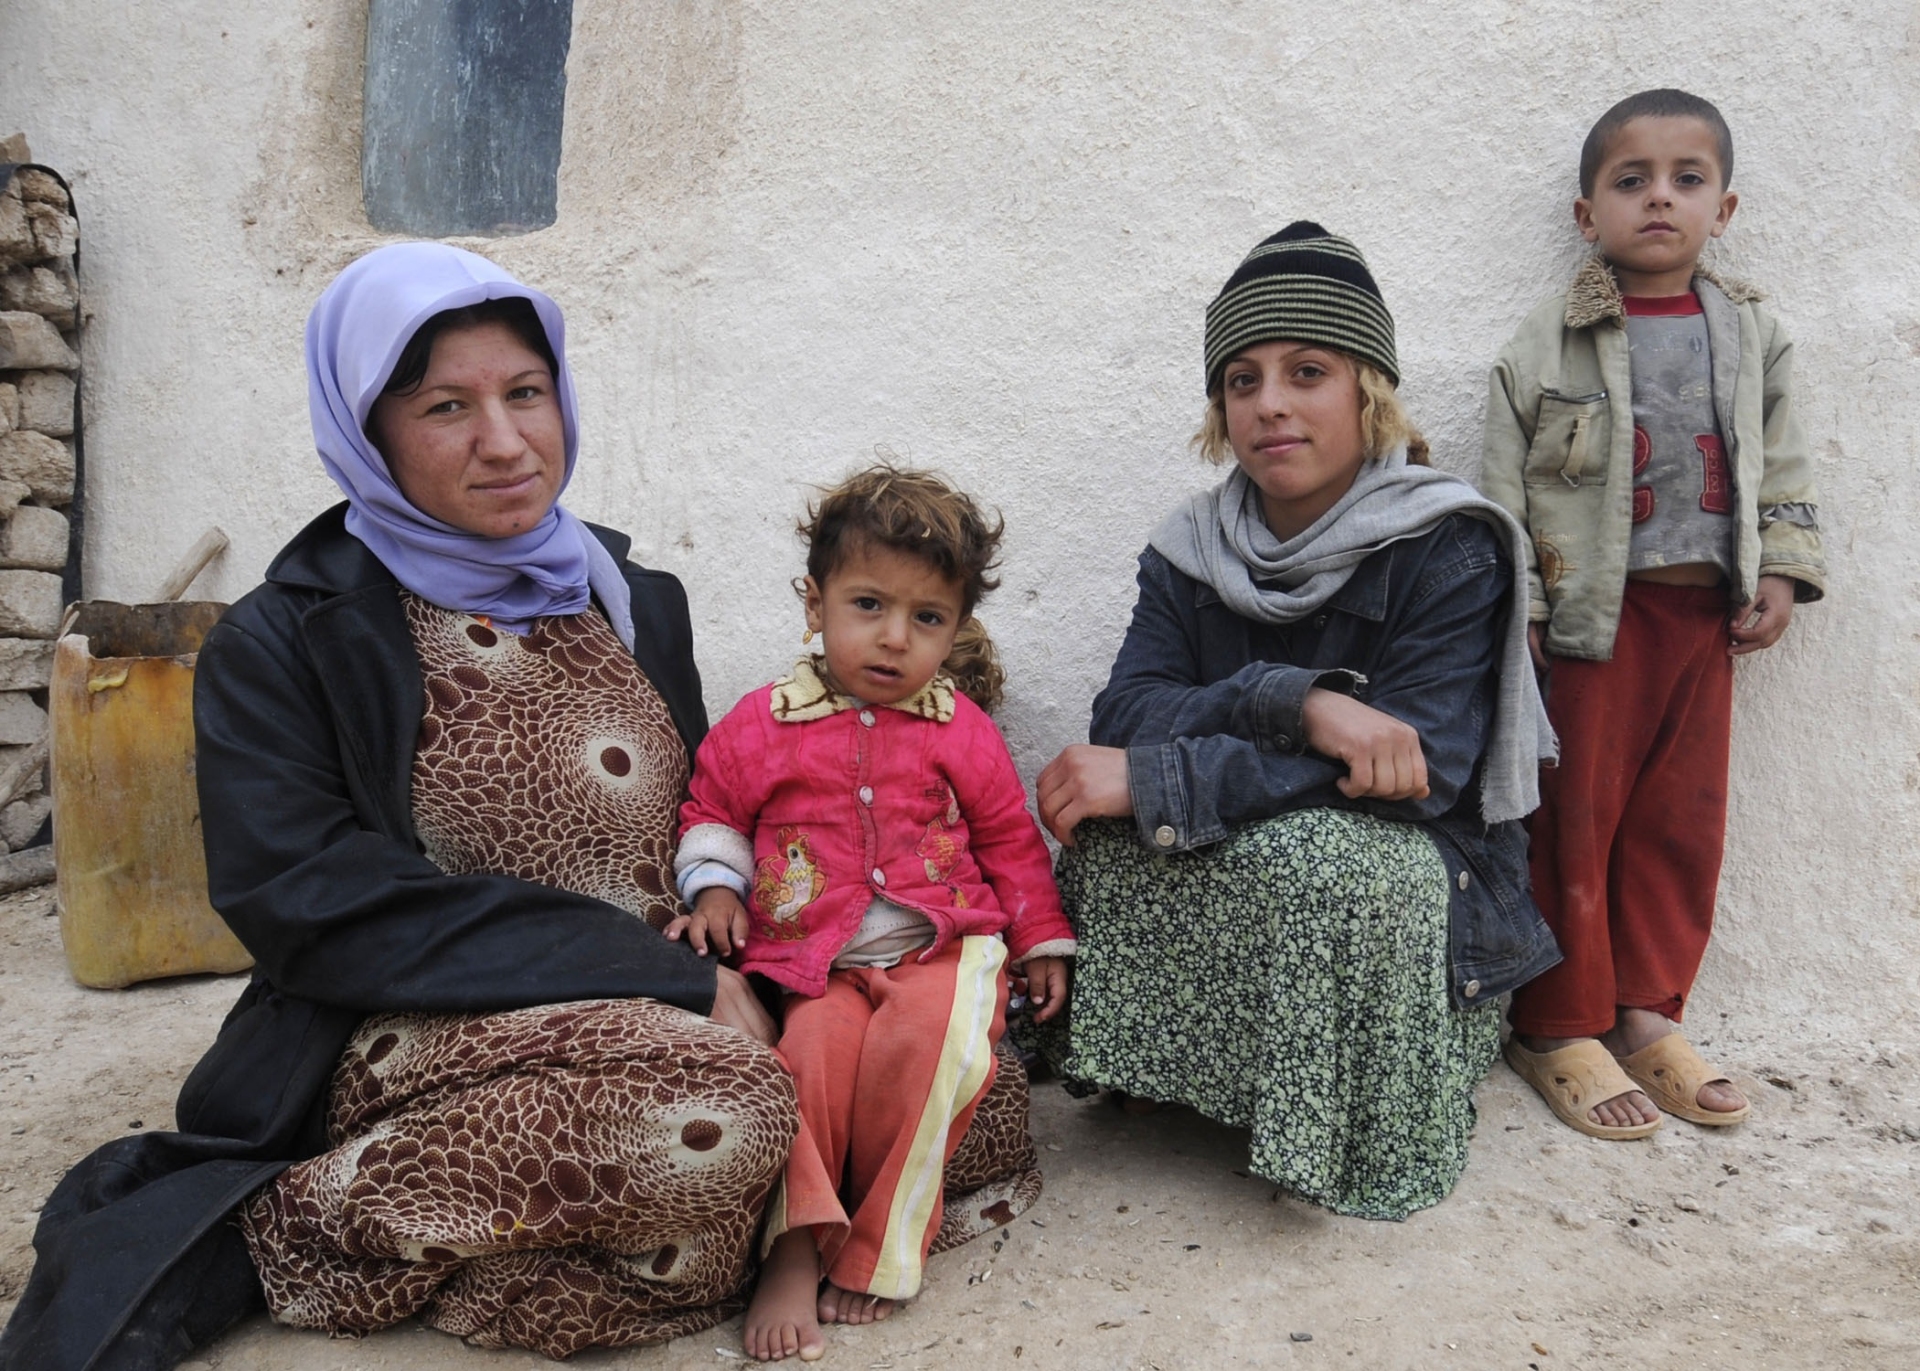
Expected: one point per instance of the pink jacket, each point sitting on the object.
(822, 804)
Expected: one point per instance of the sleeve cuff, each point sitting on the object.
(1053, 947)
(1163, 811)
(710, 855)
(705, 876)
(1538, 609)
(1152, 781)
(1809, 582)
(1278, 704)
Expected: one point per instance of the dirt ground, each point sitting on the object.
(1793, 1242)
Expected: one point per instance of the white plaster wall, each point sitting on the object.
(981, 237)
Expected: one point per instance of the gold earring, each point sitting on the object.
(806, 637)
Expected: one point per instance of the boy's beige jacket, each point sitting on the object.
(1559, 452)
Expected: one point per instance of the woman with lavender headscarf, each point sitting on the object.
(440, 753)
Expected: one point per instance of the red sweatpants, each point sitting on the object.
(889, 1065)
(1627, 841)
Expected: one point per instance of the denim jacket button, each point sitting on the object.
(866, 717)
(866, 794)
(1283, 742)
(1463, 880)
(879, 876)
(1470, 989)
(1164, 835)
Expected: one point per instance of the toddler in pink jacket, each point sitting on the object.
(857, 833)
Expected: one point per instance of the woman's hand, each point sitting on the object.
(1382, 754)
(1083, 782)
(736, 1006)
(1046, 986)
(718, 917)
(1760, 621)
(1537, 646)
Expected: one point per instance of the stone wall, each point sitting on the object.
(39, 367)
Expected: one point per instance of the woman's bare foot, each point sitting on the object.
(851, 1306)
(1622, 1111)
(1634, 1029)
(780, 1318)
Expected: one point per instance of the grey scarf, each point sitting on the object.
(1220, 537)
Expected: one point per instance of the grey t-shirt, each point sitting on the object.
(1682, 483)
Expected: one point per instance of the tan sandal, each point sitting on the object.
(1572, 1080)
(1671, 1073)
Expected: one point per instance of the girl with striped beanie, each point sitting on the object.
(1293, 857)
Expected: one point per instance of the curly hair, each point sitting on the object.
(974, 666)
(917, 513)
(909, 511)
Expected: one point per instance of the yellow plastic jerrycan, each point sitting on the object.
(126, 818)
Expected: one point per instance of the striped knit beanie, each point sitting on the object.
(1307, 285)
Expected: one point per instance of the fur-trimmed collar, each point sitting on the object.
(1595, 295)
(806, 696)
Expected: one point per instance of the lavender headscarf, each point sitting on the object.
(354, 337)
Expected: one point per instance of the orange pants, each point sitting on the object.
(888, 1066)
(1627, 841)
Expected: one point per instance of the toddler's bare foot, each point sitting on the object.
(780, 1318)
(851, 1306)
(1621, 1111)
(1634, 1029)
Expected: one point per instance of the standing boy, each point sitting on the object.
(1642, 426)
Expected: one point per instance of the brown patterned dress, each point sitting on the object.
(567, 1176)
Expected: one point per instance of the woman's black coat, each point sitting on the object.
(307, 704)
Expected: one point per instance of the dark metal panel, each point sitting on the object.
(463, 107)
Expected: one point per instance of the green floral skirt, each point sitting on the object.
(1291, 980)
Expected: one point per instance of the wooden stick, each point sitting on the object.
(212, 543)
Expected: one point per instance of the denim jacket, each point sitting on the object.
(1208, 705)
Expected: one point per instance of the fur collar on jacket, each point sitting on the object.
(1595, 295)
(805, 696)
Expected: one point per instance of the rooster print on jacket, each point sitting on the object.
(784, 885)
(940, 851)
